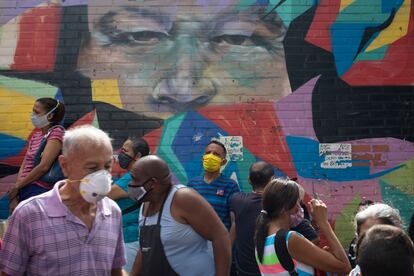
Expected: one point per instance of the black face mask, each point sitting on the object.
(124, 160)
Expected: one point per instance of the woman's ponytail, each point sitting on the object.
(262, 228)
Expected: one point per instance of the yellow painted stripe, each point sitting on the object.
(15, 110)
(106, 91)
(345, 3)
(397, 29)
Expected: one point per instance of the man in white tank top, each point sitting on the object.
(176, 224)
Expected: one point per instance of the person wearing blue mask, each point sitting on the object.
(132, 150)
(46, 117)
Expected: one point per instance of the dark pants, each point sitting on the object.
(30, 191)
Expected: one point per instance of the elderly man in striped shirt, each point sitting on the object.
(73, 229)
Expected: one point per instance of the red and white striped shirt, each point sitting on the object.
(34, 144)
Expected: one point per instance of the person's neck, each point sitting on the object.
(73, 200)
(281, 222)
(211, 176)
(258, 191)
(45, 129)
(154, 205)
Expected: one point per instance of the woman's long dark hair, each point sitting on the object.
(279, 196)
(49, 104)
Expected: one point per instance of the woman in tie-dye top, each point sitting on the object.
(280, 204)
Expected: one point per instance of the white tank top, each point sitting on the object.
(187, 252)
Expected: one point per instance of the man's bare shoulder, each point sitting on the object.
(185, 197)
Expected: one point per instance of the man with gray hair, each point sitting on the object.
(375, 214)
(73, 229)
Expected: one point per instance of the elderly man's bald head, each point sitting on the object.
(151, 166)
(260, 174)
(84, 137)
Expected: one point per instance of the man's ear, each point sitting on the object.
(138, 156)
(224, 162)
(63, 164)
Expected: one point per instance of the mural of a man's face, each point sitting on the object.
(169, 56)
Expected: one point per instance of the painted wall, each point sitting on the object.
(323, 90)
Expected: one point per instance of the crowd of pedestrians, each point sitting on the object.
(144, 224)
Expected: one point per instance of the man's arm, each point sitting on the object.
(193, 209)
(233, 203)
(137, 264)
(117, 193)
(232, 228)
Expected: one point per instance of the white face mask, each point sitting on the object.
(40, 121)
(95, 186)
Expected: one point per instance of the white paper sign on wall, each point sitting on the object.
(234, 146)
(336, 156)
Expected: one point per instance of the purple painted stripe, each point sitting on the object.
(338, 194)
(295, 111)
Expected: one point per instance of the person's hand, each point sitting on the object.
(319, 211)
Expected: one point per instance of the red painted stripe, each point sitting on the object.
(319, 31)
(38, 38)
(260, 128)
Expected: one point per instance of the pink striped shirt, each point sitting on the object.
(34, 144)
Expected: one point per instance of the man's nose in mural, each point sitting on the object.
(185, 86)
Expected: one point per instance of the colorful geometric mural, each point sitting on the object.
(323, 90)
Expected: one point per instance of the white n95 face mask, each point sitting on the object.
(95, 186)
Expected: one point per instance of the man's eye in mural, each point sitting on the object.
(235, 39)
(139, 38)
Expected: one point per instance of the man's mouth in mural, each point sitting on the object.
(169, 104)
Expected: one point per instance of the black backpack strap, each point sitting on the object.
(131, 208)
(282, 252)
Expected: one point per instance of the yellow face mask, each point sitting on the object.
(211, 162)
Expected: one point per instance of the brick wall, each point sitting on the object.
(323, 92)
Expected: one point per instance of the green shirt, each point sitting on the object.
(130, 220)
